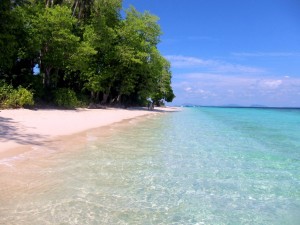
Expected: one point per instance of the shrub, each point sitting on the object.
(15, 98)
(65, 97)
(5, 91)
(23, 97)
(83, 100)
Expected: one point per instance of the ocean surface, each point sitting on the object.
(198, 166)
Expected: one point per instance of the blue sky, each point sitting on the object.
(230, 51)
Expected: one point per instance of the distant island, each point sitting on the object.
(237, 106)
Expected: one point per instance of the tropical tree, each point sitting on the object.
(101, 36)
(163, 89)
(51, 31)
(83, 46)
(81, 9)
(138, 35)
(10, 33)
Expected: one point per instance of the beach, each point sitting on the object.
(24, 128)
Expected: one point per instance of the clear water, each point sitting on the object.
(198, 166)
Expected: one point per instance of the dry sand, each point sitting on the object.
(29, 128)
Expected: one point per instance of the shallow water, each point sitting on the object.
(198, 166)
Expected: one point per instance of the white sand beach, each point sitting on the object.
(29, 128)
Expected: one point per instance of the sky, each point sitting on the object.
(230, 52)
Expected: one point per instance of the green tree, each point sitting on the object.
(83, 45)
(138, 35)
(163, 89)
(81, 9)
(10, 35)
(52, 32)
(101, 36)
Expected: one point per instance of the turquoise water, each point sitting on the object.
(198, 166)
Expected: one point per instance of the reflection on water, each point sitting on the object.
(180, 168)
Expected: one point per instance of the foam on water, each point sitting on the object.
(198, 166)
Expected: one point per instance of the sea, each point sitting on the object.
(202, 165)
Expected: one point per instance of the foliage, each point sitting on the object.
(83, 100)
(7, 38)
(52, 30)
(5, 91)
(65, 97)
(83, 47)
(15, 98)
(22, 97)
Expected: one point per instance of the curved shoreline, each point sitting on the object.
(23, 128)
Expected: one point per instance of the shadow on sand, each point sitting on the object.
(12, 131)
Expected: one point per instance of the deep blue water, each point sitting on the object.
(199, 166)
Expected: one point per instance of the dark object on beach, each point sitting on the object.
(96, 106)
(150, 105)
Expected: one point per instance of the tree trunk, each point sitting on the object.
(92, 96)
(46, 80)
(97, 96)
(81, 7)
(75, 7)
(116, 100)
(119, 98)
(105, 97)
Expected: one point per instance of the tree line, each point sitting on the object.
(85, 50)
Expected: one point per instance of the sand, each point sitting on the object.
(30, 128)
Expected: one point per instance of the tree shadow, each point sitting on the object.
(12, 131)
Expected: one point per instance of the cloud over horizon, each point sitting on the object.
(214, 82)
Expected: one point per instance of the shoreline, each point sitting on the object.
(22, 130)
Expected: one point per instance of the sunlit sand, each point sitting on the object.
(30, 128)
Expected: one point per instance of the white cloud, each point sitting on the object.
(219, 89)
(270, 84)
(188, 89)
(235, 68)
(182, 62)
(216, 82)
